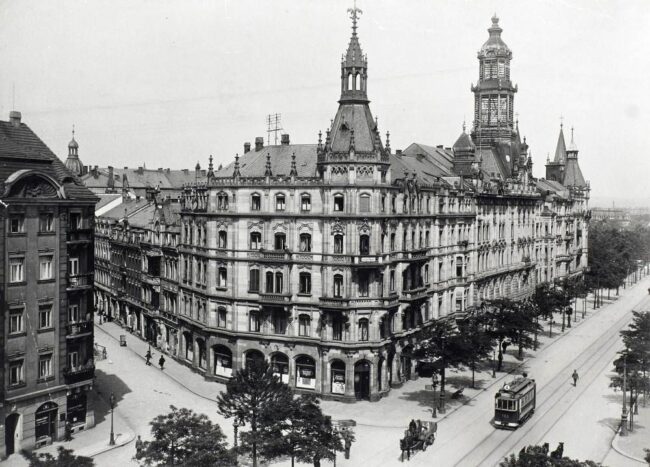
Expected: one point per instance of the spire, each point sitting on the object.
(210, 168)
(560, 149)
(354, 65)
(236, 173)
(573, 149)
(294, 171)
(388, 142)
(320, 140)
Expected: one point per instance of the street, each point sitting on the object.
(465, 436)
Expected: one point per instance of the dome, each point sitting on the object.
(494, 44)
(73, 144)
(73, 164)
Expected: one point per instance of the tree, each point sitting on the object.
(255, 395)
(310, 434)
(66, 458)
(183, 437)
(537, 456)
(476, 340)
(442, 343)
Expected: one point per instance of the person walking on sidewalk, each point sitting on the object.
(161, 362)
(575, 377)
(147, 357)
(138, 447)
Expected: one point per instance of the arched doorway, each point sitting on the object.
(222, 365)
(305, 372)
(12, 433)
(362, 380)
(280, 366)
(338, 377)
(253, 358)
(45, 416)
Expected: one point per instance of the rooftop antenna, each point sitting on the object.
(273, 125)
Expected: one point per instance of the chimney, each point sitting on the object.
(284, 139)
(110, 183)
(398, 152)
(140, 170)
(259, 143)
(439, 146)
(247, 147)
(14, 118)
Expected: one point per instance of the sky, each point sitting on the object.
(167, 83)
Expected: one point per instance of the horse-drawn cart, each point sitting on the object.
(418, 436)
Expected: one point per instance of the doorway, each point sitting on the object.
(11, 427)
(46, 422)
(362, 380)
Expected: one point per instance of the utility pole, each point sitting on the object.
(273, 125)
(624, 410)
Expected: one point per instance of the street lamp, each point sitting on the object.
(624, 410)
(494, 361)
(550, 329)
(112, 402)
(434, 383)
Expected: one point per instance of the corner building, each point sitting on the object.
(328, 259)
(46, 342)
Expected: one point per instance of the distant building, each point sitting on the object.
(329, 259)
(46, 285)
(619, 215)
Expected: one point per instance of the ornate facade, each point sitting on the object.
(46, 342)
(328, 259)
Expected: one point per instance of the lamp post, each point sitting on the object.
(442, 377)
(112, 402)
(550, 329)
(434, 383)
(494, 362)
(624, 410)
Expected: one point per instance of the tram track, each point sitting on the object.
(548, 394)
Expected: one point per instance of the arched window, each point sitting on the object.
(357, 82)
(203, 358)
(269, 282)
(304, 325)
(305, 242)
(223, 239)
(338, 243)
(305, 283)
(279, 279)
(338, 285)
(254, 358)
(280, 241)
(222, 317)
(426, 273)
(339, 202)
(280, 367)
(364, 202)
(223, 278)
(350, 82)
(305, 372)
(363, 329)
(256, 240)
(222, 358)
(280, 202)
(222, 201)
(364, 244)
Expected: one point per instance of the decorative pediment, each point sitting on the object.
(32, 184)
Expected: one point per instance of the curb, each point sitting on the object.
(615, 447)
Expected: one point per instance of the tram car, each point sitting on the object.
(514, 402)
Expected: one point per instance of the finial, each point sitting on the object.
(572, 134)
(388, 141)
(463, 125)
(561, 122)
(294, 171)
(73, 131)
(377, 123)
(548, 158)
(320, 137)
(495, 19)
(352, 138)
(268, 172)
(354, 15)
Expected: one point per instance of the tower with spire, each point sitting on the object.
(494, 92)
(555, 168)
(72, 163)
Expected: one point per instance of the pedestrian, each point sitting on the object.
(68, 431)
(138, 447)
(147, 357)
(575, 377)
(161, 362)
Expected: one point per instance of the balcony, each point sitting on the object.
(79, 373)
(335, 302)
(276, 255)
(414, 294)
(274, 298)
(79, 329)
(79, 281)
(417, 254)
(367, 261)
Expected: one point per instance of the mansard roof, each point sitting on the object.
(253, 163)
(141, 178)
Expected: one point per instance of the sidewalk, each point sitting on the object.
(633, 445)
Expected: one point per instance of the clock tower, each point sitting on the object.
(494, 92)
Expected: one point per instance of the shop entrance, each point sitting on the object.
(362, 380)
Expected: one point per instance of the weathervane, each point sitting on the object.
(354, 15)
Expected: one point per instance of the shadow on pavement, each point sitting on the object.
(611, 423)
(104, 385)
(466, 381)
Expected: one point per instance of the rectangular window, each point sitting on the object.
(73, 360)
(364, 203)
(337, 329)
(16, 373)
(17, 224)
(253, 321)
(16, 322)
(46, 222)
(16, 269)
(45, 366)
(46, 270)
(73, 266)
(221, 318)
(73, 313)
(254, 280)
(280, 203)
(305, 203)
(303, 325)
(279, 322)
(45, 317)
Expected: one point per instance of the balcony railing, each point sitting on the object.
(80, 373)
(274, 297)
(79, 280)
(79, 329)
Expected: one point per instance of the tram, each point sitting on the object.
(514, 402)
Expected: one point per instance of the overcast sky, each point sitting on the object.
(167, 83)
